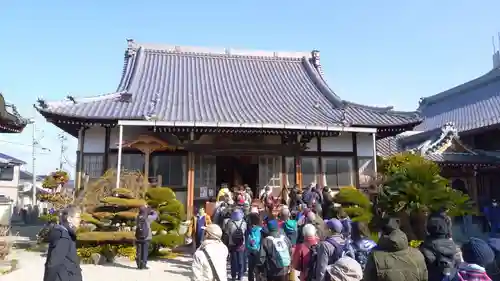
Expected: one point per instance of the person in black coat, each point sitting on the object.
(62, 262)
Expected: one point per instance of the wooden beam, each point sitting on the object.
(105, 162)
(355, 165)
(320, 181)
(298, 167)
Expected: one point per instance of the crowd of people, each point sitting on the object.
(280, 240)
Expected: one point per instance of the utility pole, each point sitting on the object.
(33, 156)
(62, 140)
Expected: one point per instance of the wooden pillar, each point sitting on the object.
(105, 162)
(80, 155)
(355, 162)
(298, 167)
(321, 180)
(284, 174)
(147, 156)
(190, 181)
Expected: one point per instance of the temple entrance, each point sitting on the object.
(237, 170)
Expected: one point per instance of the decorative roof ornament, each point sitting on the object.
(42, 103)
(317, 63)
(131, 48)
(71, 99)
(125, 97)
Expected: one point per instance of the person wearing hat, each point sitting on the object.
(210, 259)
(393, 259)
(330, 250)
(345, 269)
(275, 254)
(477, 255)
(440, 253)
(235, 229)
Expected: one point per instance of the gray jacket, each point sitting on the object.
(326, 255)
(150, 219)
(231, 226)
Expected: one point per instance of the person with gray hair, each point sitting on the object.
(62, 263)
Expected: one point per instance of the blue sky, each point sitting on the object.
(373, 52)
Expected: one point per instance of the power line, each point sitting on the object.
(25, 144)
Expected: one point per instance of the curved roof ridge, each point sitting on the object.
(383, 109)
(488, 77)
(132, 45)
(317, 78)
(57, 103)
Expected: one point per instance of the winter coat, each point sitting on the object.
(301, 256)
(394, 260)
(231, 226)
(441, 254)
(193, 226)
(269, 256)
(218, 253)
(327, 255)
(62, 262)
(149, 220)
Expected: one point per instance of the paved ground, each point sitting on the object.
(31, 268)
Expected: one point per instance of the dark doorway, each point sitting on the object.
(236, 170)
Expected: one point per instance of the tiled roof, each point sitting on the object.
(189, 84)
(433, 145)
(469, 106)
(4, 158)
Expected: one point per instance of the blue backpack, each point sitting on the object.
(254, 236)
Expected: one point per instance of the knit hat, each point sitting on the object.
(272, 225)
(345, 269)
(494, 244)
(334, 225)
(213, 230)
(237, 215)
(478, 252)
(437, 226)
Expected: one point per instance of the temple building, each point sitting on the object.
(460, 132)
(10, 119)
(195, 118)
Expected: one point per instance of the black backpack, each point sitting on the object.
(313, 260)
(238, 237)
(142, 229)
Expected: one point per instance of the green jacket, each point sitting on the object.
(394, 260)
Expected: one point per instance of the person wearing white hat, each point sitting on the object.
(210, 259)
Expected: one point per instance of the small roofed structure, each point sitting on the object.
(460, 131)
(10, 119)
(235, 117)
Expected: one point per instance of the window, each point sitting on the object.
(290, 171)
(92, 164)
(310, 170)
(269, 172)
(172, 169)
(130, 161)
(204, 175)
(7, 173)
(366, 171)
(338, 171)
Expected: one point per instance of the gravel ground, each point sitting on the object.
(31, 268)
